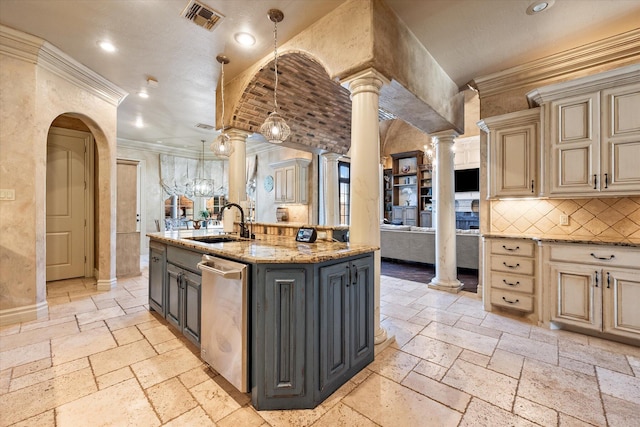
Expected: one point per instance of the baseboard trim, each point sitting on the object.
(25, 313)
(106, 285)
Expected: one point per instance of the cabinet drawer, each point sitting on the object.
(512, 282)
(512, 300)
(184, 258)
(596, 254)
(512, 264)
(513, 247)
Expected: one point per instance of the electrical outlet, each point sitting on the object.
(564, 219)
(7, 194)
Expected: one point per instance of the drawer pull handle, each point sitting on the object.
(511, 266)
(510, 284)
(532, 186)
(596, 278)
(606, 180)
(608, 280)
(511, 302)
(595, 181)
(603, 258)
(510, 249)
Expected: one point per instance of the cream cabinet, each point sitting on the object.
(510, 274)
(593, 133)
(291, 181)
(594, 288)
(513, 153)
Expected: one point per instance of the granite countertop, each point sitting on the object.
(591, 240)
(265, 248)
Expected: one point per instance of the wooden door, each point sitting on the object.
(127, 219)
(361, 313)
(66, 219)
(515, 157)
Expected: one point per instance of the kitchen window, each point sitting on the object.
(344, 187)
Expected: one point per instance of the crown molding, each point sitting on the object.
(37, 51)
(619, 50)
(510, 119)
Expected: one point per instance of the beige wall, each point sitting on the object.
(31, 97)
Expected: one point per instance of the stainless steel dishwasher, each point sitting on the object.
(224, 328)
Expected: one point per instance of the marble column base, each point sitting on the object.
(107, 284)
(379, 347)
(452, 286)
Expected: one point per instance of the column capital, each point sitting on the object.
(332, 157)
(238, 134)
(444, 136)
(369, 80)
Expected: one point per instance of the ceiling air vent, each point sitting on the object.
(204, 126)
(202, 15)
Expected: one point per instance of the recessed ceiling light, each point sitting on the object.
(142, 94)
(139, 122)
(539, 6)
(107, 46)
(245, 39)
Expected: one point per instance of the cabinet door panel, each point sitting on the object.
(361, 313)
(576, 299)
(284, 312)
(191, 326)
(290, 184)
(516, 150)
(334, 333)
(156, 280)
(174, 300)
(621, 298)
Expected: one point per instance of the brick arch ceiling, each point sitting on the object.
(316, 108)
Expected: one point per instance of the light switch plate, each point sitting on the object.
(564, 219)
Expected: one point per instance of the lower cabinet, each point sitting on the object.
(595, 288)
(157, 266)
(312, 330)
(183, 301)
(407, 214)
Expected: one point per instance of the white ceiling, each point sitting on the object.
(469, 38)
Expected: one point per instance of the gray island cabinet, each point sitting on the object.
(311, 313)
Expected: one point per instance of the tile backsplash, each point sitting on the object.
(616, 218)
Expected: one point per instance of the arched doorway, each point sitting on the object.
(70, 200)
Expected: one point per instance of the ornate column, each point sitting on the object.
(237, 174)
(365, 176)
(446, 264)
(331, 194)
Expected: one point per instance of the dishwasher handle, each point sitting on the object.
(210, 264)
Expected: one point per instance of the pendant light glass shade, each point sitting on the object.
(275, 129)
(222, 146)
(202, 187)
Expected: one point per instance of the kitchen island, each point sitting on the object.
(310, 308)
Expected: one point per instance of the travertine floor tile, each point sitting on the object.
(464, 308)
(114, 377)
(565, 420)
(614, 347)
(74, 307)
(535, 412)
(402, 330)
(398, 311)
(472, 327)
(430, 370)
(437, 391)
(566, 391)
(195, 376)
(213, 399)
(103, 314)
(195, 417)
(45, 323)
(435, 299)
(506, 363)
(506, 324)
(48, 374)
(595, 356)
(475, 358)
(390, 404)
(46, 419)
(342, 415)
(432, 350)
(619, 385)
(170, 399)
(620, 413)
(634, 362)
(127, 335)
(159, 334)
(164, 366)
(245, 417)
(36, 335)
(130, 320)
(495, 388)
(166, 346)
(86, 343)
(119, 357)
(461, 338)
(481, 413)
(394, 364)
(576, 365)
(432, 314)
(121, 404)
(29, 401)
(532, 349)
(5, 380)
(23, 355)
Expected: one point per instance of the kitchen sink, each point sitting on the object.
(214, 239)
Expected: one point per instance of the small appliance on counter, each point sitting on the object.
(282, 214)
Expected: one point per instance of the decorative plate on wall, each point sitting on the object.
(268, 183)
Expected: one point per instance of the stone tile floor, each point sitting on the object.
(101, 358)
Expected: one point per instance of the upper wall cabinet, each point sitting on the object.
(513, 153)
(467, 152)
(291, 181)
(592, 135)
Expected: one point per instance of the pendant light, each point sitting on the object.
(222, 146)
(202, 187)
(275, 129)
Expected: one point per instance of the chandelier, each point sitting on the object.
(202, 187)
(275, 129)
(222, 146)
